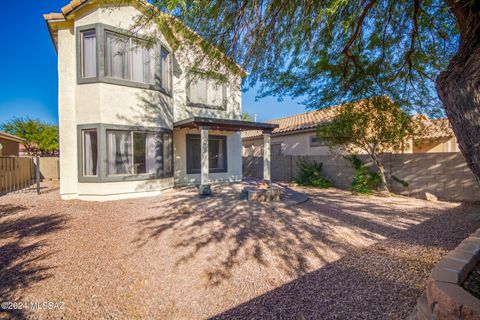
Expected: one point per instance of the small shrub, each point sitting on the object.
(364, 182)
(309, 174)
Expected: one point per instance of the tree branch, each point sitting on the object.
(416, 9)
(358, 29)
(413, 37)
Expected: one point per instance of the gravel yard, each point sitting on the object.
(176, 256)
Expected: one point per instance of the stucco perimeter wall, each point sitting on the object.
(445, 175)
(234, 158)
(49, 169)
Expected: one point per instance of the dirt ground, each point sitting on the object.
(176, 256)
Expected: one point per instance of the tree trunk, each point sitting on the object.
(381, 170)
(384, 186)
(459, 86)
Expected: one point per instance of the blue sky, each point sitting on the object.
(30, 61)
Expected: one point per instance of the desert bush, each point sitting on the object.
(309, 174)
(364, 182)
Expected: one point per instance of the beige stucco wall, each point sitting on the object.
(440, 145)
(122, 190)
(9, 148)
(234, 152)
(233, 109)
(298, 144)
(293, 144)
(123, 105)
(67, 113)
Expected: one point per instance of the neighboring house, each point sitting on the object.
(296, 135)
(436, 136)
(9, 144)
(135, 118)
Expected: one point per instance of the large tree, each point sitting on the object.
(335, 51)
(371, 126)
(41, 138)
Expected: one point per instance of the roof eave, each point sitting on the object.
(283, 133)
(14, 139)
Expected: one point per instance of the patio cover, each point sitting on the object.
(223, 124)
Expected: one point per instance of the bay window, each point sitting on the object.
(109, 153)
(217, 153)
(139, 152)
(123, 59)
(129, 59)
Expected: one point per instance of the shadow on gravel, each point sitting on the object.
(8, 209)
(23, 252)
(382, 281)
(250, 230)
(234, 231)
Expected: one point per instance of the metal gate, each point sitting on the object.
(19, 174)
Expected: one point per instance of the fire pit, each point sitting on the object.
(261, 192)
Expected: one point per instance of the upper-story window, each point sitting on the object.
(89, 53)
(107, 54)
(204, 91)
(129, 59)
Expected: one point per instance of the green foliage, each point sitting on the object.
(364, 182)
(309, 174)
(372, 125)
(40, 137)
(331, 51)
(247, 116)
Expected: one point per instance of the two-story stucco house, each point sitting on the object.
(138, 117)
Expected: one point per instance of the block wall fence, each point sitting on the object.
(445, 175)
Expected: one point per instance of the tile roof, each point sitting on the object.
(67, 9)
(74, 4)
(9, 136)
(53, 16)
(430, 128)
(307, 120)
